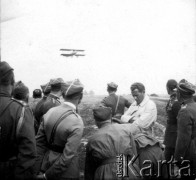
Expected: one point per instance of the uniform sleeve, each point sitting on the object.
(176, 108)
(26, 148)
(38, 112)
(89, 165)
(103, 102)
(149, 116)
(41, 143)
(184, 134)
(70, 150)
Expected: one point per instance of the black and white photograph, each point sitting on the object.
(97, 89)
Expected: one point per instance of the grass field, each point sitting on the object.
(85, 110)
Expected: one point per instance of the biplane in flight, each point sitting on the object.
(74, 52)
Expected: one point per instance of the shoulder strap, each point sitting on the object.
(2, 111)
(117, 105)
(57, 123)
(20, 121)
(193, 133)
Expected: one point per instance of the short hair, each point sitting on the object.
(7, 79)
(138, 86)
(37, 93)
(111, 89)
(171, 84)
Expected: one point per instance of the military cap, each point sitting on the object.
(20, 91)
(112, 85)
(46, 88)
(186, 87)
(4, 69)
(56, 81)
(102, 113)
(72, 87)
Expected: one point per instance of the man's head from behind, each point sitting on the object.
(73, 91)
(112, 87)
(21, 92)
(171, 86)
(37, 93)
(138, 92)
(56, 85)
(6, 74)
(46, 88)
(185, 90)
(102, 115)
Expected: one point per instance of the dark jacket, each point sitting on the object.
(55, 164)
(107, 143)
(186, 137)
(172, 109)
(43, 106)
(111, 101)
(21, 148)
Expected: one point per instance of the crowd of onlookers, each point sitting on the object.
(39, 139)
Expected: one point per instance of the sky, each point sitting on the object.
(148, 41)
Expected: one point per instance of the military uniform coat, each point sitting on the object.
(108, 142)
(111, 101)
(172, 109)
(186, 135)
(44, 105)
(21, 148)
(59, 165)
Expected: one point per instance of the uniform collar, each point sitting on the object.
(145, 100)
(105, 123)
(188, 101)
(54, 96)
(112, 94)
(173, 95)
(4, 93)
(70, 104)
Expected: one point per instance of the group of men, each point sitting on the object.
(41, 140)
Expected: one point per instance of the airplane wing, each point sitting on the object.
(71, 50)
(67, 55)
(79, 54)
(66, 49)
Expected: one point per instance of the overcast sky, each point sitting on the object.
(149, 41)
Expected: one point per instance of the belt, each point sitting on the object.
(56, 148)
(108, 161)
(13, 158)
(193, 135)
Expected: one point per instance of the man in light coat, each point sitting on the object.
(59, 137)
(143, 111)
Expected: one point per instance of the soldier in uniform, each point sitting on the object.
(21, 92)
(59, 137)
(172, 108)
(17, 137)
(110, 141)
(52, 100)
(117, 103)
(186, 134)
(37, 95)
